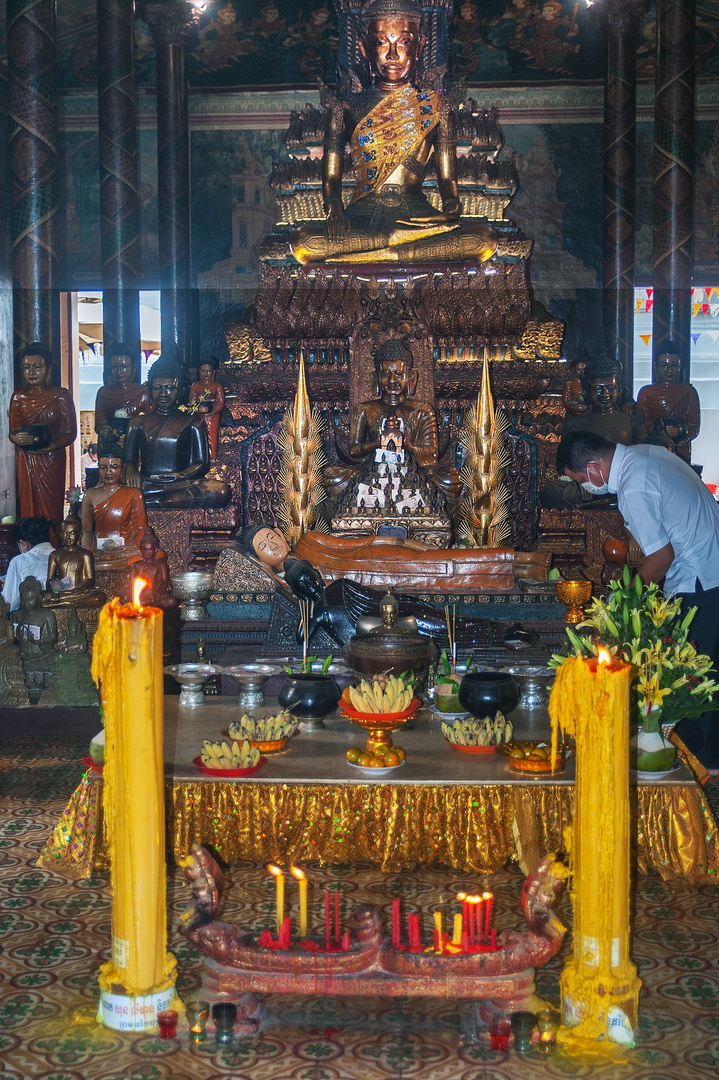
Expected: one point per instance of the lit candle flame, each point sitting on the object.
(296, 872)
(474, 899)
(604, 657)
(462, 896)
(139, 585)
(487, 896)
(276, 870)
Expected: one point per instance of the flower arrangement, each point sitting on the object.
(640, 626)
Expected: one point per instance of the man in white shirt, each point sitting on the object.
(33, 539)
(675, 520)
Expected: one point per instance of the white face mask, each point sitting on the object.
(592, 488)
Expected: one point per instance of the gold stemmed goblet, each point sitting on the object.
(574, 595)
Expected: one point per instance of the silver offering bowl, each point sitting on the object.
(191, 678)
(250, 679)
(193, 588)
(534, 684)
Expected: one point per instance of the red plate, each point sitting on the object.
(228, 774)
(472, 749)
(381, 718)
(90, 764)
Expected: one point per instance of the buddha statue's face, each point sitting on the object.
(35, 370)
(271, 547)
(30, 595)
(70, 534)
(164, 393)
(121, 369)
(604, 392)
(669, 366)
(207, 373)
(307, 583)
(110, 469)
(394, 378)
(148, 547)
(392, 47)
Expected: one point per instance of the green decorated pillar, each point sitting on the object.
(619, 20)
(33, 169)
(119, 203)
(170, 23)
(674, 175)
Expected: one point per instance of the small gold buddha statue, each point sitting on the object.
(393, 128)
(71, 572)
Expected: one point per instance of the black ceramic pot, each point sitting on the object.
(484, 692)
(310, 698)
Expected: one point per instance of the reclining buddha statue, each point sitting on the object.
(393, 127)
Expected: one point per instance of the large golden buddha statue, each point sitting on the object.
(393, 127)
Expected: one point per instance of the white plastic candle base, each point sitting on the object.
(124, 1013)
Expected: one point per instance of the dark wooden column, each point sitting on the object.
(119, 205)
(33, 167)
(170, 24)
(674, 175)
(620, 21)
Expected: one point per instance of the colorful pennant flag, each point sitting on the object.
(695, 337)
(646, 338)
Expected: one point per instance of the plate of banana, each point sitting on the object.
(229, 760)
(268, 734)
(478, 736)
(369, 700)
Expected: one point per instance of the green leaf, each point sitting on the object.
(327, 663)
(626, 576)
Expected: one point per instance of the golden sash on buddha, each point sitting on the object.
(391, 132)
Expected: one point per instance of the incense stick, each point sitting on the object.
(305, 621)
(450, 635)
(454, 636)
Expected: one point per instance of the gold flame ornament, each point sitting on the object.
(303, 460)
(483, 519)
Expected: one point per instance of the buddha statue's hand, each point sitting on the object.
(449, 215)
(23, 438)
(337, 224)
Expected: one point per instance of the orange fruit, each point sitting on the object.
(399, 752)
(345, 697)
(391, 759)
(353, 755)
(381, 749)
(376, 763)
(364, 760)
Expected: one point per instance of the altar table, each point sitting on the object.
(471, 812)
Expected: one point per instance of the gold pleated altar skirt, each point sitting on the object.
(471, 828)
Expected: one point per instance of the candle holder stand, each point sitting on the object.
(240, 964)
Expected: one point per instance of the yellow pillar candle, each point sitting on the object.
(302, 882)
(127, 664)
(600, 988)
(438, 930)
(279, 893)
(457, 931)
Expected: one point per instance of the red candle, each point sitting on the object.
(488, 899)
(327, 920)
(470, 918)
(480, 935)
(346, 941)
(413, 932)
(283, 938)
(396, 926)
(436, 939)
(465, 941)
(337, 918)
(494, 942)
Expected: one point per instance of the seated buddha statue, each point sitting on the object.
(113, 514)
(71, 572)
(167, 452)
(605, 415)
(393, 127)
(120, 398)
(669, 403)
(393, 418)
(35, 633)
(153, 569)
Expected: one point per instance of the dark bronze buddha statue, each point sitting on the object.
(167, 452)
(669, 404)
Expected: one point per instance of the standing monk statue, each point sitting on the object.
(112, 510)
(211, 396)
(392, 127)
(670, 403)
(42, 423)
(122, 397)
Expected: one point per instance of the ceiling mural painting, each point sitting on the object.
(244, 43)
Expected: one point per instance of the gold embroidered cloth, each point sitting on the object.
(389, 133)
(466, 826)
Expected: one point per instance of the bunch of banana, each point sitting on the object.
(215, 755)
(268, 729)
(486, 732)
(371, 698)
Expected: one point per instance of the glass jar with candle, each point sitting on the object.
(167, 1022)
(548, 1022)
(198, 1013)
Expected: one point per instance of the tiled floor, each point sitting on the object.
(54, 934)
